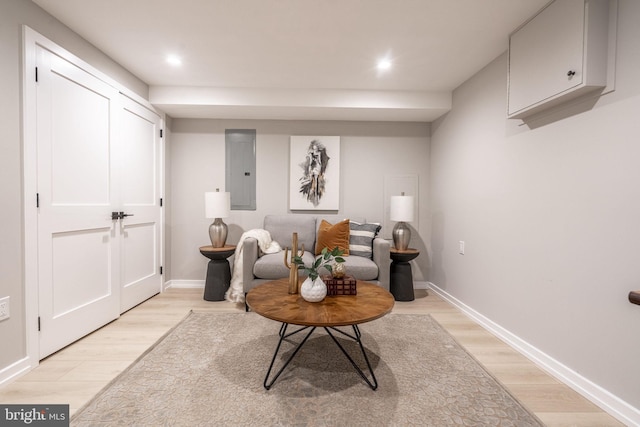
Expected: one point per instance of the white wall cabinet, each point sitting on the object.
(558, 55)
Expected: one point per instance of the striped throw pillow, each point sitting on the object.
(361, 238)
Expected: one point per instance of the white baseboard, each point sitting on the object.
(16, 370)
(615, 406)
(185, 284)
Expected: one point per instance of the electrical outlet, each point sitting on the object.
(461, 247)
(4, 308)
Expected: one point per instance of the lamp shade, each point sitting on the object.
(217, 205)
(401, 208)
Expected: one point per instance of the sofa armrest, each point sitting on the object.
(382, 258)
(249, 258)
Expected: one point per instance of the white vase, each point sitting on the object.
(313, 291)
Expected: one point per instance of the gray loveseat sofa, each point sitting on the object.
(258, 268)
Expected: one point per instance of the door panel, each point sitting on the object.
(77, 240)
(80, 274)
(140, 277)
(80, 144)
(140, 260)
(140, 245)
(139, 157)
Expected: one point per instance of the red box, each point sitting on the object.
(343, 286)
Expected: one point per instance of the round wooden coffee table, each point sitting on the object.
(272, 300)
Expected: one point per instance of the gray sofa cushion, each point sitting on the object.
(271, 266)
(360, 267)
(282, 227)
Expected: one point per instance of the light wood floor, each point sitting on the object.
(76, 373)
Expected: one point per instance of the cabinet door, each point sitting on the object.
(543, 52)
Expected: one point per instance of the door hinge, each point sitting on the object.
(37, 200)
(36, 74)
(38, 323)
(161, 270)
(160, 133)
(160, 201)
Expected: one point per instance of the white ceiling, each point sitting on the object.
(296, 59)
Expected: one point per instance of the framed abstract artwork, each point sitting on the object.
(314, 173)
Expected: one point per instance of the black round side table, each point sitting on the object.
(218, 271)
(401, 280)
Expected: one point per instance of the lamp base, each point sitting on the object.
(401, 236)
(218, 233)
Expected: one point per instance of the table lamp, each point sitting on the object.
(401, 211)
(217, 205)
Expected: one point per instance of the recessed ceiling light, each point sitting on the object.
(174, 60)
(384, 64)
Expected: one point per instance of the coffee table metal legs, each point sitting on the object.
(283, 335)
(373, 382)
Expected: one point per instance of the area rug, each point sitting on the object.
(209, 371)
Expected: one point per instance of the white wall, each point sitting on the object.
(13, 14)
(369, 151)
(550, 216)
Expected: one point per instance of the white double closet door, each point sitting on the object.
(98, 155)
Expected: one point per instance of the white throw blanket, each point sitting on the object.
(235, 293)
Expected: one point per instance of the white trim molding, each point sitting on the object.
(184, 284)
(16, 370)
(615, 406)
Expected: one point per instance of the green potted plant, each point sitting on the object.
(313, 289)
